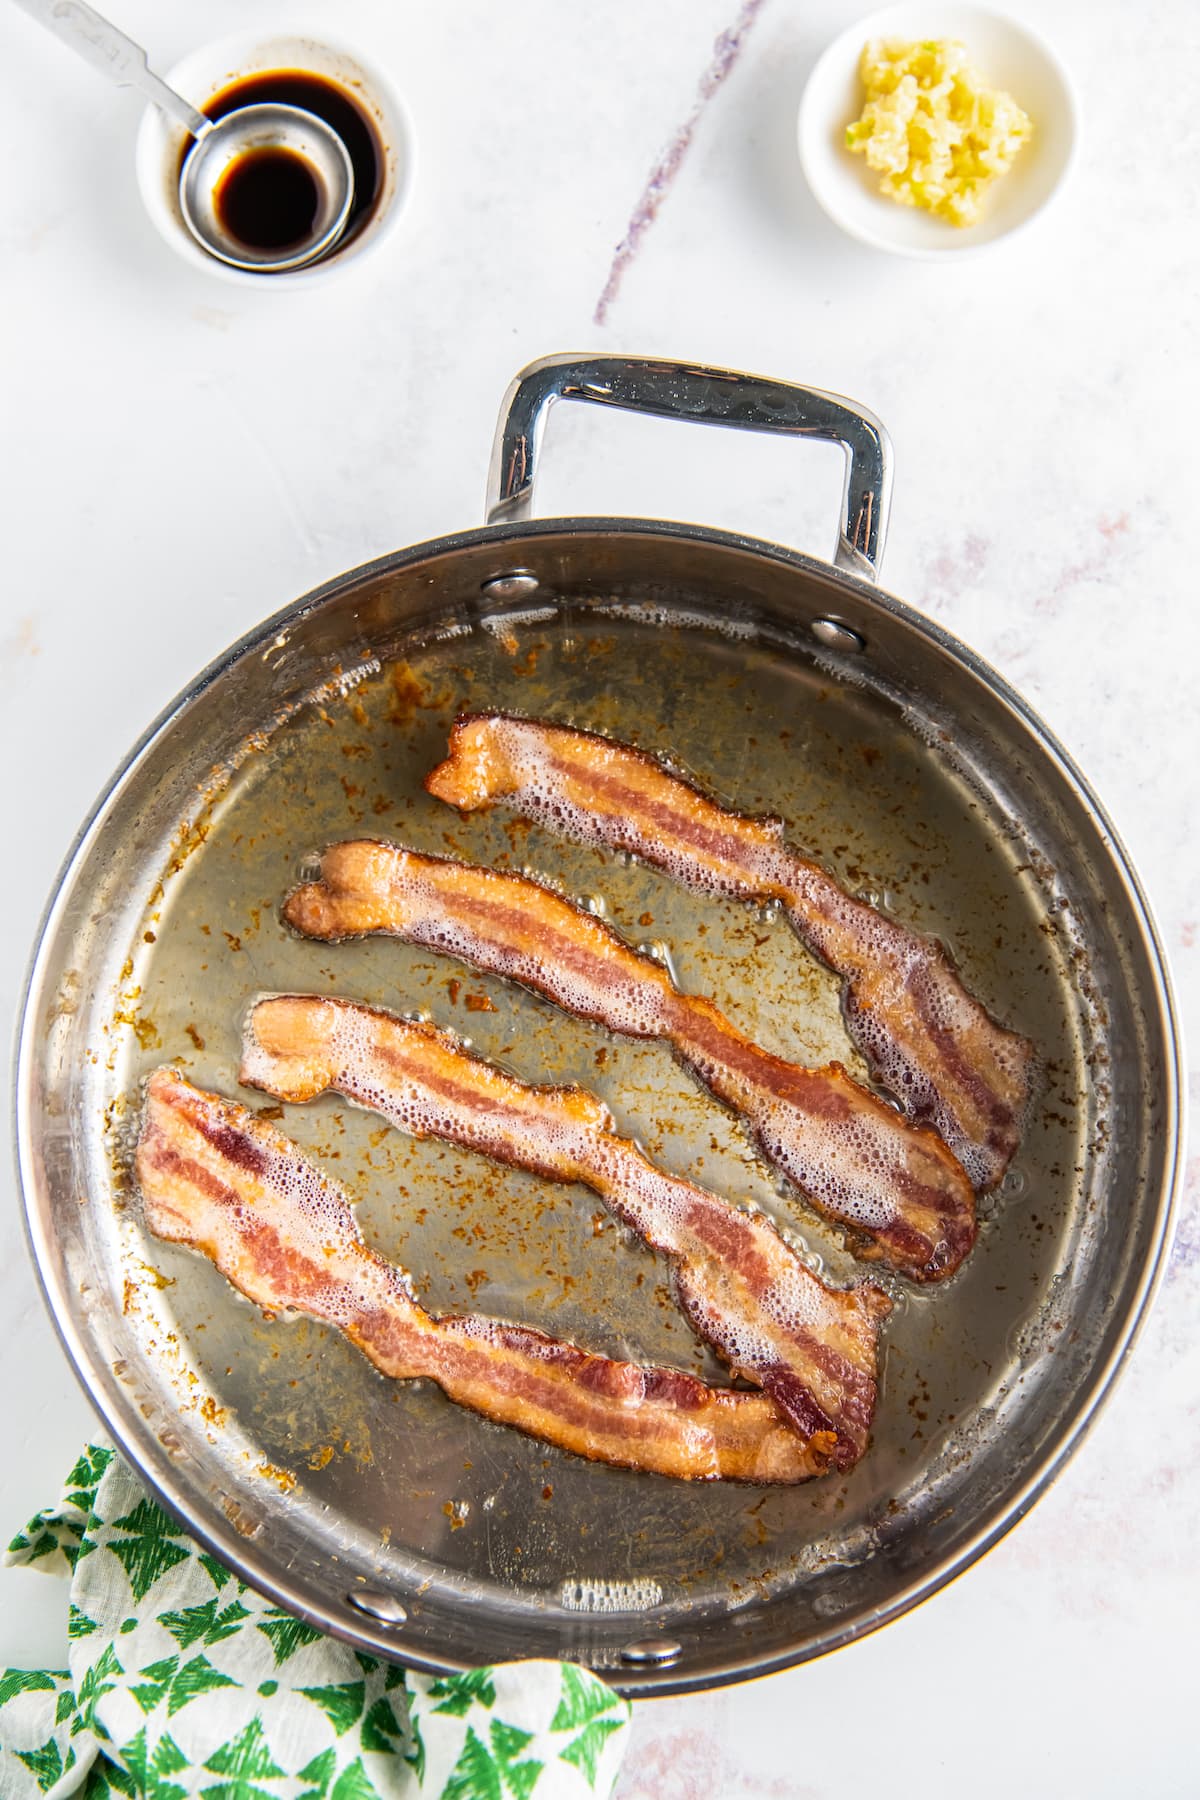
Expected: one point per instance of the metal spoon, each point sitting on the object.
(219, 144)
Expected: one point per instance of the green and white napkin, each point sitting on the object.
(182, 1682)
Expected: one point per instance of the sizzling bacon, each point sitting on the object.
(926, 1040)
(901, 1192)
(811, 1348)
(216, 1177)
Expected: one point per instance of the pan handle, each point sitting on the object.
(674, 390)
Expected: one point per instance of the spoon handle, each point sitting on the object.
(115, 55)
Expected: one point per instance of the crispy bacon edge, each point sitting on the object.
(902, 1195)
(813, 1349)
(925, 1038)
(219, 1179)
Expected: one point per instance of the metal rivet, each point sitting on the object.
(516, 585)
(384, 1607)
(836, 636)
(652, 1650)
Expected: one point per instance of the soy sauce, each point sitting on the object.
(265, 183)
(268, 199)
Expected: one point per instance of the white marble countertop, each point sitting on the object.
(181, 457)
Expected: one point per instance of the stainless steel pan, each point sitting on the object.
(379, 1511)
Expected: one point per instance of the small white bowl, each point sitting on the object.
(205, 72)
(1009, 56)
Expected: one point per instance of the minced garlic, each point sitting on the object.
(933, 129)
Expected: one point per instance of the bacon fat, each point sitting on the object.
(811, 1348)
(924, 1037)
(903, 1195)
(218, 1178)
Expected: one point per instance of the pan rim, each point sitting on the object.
(119, 1415)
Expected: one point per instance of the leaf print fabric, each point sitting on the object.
(183, 1684)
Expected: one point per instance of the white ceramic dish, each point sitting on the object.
(1010, 56)
(204, 73)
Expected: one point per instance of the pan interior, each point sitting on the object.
(342, 1478)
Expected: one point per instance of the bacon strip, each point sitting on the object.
(811, 1348)
(216, 1177)
(901, 1192)
(925, 1039)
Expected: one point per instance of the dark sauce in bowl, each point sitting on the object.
(265, 193)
